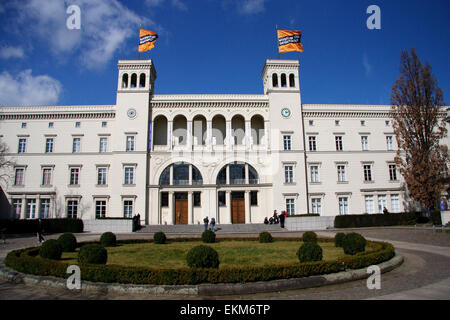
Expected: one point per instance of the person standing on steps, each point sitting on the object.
(206, 222)
(282, 217)
(213, 224)
(39, 231)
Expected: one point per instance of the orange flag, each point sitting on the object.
(146, 40)
(289, 40)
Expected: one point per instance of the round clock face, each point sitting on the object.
(285, 112)
(131, 113)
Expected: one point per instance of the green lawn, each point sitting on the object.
(231, 253)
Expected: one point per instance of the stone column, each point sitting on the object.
(171, 215)
(190, 175)
(171, 175)
(151, 136)
(247, 207)
(189, 135)
(169, 134)
(23, 208)
(229, 137)
(227, 175)
(267, 133)
(228, 204)
(246, 173)
(209, 134)
(248, 134)
(190, 207)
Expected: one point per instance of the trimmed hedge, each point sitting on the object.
(354, 243)
(68, 242)
(108, 239)
(51, 249)
(339, 239)
(309, 236)
(24, 261)
(265, 237)
(202, 257)
(309, 251)
(208, 236)
(92, 253)
(20, 226)
(374, 220)
(304, 215)
(159, 238)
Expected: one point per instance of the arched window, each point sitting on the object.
(164, 179)
(236, 173)
(180, 175)
(133, 80)
(125, 80)
(142, 80)
(283, 80)
(292, 80)
(275, 80)
(160, 131)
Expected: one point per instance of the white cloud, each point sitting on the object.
(153, 3)
(175, 3)
(179, 5)
(106, 26)
(367, 66)
(26, 89)
(251, 6)
(7, 52)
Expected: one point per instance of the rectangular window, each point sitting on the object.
(18, 177)
(367, 172)
(76, 145)
(74, 173)
(341, 173)
(24, 125)
(104, 124)
(389, 144)
(103, 144)
(314, 173)
(311, 122)
(316, 205)
(48, 145)
(77, 124)
(101, 176)
(288, 174)
(364, 143)
(253, 198)
(363, 123)
(130, 143)
(46, 176)
(17, 208)
(44, 212)
(338, 140)
(337, 123)
(221, 199)
(382, 203)
(369, 204)
(392, 172)
(22, 145)
(100, 209)
(312, 144)
(72, 208)
(395, 203)
(287, 143)
(197, 199)
(31, 209)
(128, 209)
(290, 206)
(164, 199)
(343, 205)
(129, 175)
(50, 124)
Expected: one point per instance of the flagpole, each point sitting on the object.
(139, 54)
(276, 27)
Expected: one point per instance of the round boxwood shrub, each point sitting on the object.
(68, 242)
(108, 239)
(309, 251)
(309, 236)
(208, 236)
(339, 239)
(159, 238)
(93, 254)
(202, 257)
(51, 249)
(354, 243)
(265, 237)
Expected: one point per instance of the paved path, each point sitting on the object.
(425, 274)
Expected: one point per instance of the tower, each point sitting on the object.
(281, 85)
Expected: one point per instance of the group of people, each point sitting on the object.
(212, 223)
(275, 219)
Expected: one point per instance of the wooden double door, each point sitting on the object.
(181, 208)
(237, 207)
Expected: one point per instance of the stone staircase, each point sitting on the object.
(220, 228)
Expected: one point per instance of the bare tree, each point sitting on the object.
(6, 164)
(419, 125)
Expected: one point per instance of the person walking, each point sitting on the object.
(282, 217)
(206, 222)
(40, 230)
(213, 224)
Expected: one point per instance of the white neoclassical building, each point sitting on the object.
(175, 159)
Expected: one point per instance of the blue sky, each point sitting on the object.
(215, 46)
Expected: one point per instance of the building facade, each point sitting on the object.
(175, 159)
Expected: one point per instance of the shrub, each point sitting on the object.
(265, 237)
(159, 238)
(339, 239)
(108, 239)
(422, 220)
(208, 236)
(51, 249)
(309, 251)
(202, 257)
(92, 254)
(354, 243)
(309, 236)
(20, 226)
(374, 220)
(436, 218)
(68, 242)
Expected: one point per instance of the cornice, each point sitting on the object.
(211, 101)
(58, 112)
